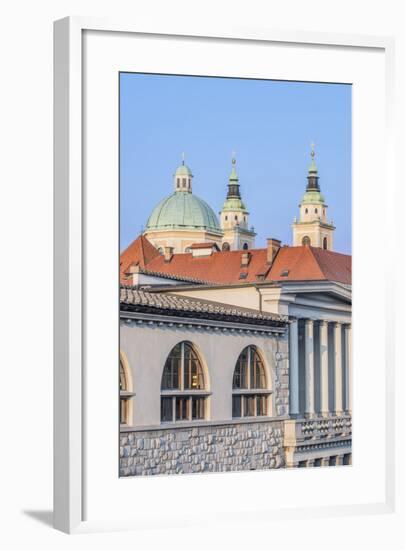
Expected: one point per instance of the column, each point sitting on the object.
(339, 460)
(324, 366)
(294, 375)
(348, 367)
(325, 461)
(309, 369)
(338, 369)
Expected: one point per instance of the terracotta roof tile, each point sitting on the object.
(220, 267)
(295, 263)
(307, 263)
(176, 303)
(139, 252)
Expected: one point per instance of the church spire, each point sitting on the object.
(313, 177)
(313, 227)
(233, 185)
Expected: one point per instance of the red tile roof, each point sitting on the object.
(139, 252)
(298, 263)
(307, 263)
(219, 267)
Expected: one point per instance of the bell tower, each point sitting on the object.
(235, 217)
(313, 228)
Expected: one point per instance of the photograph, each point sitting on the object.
(235, 277)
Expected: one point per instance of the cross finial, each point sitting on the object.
(312, 149)
(233, 157)
(183, 157)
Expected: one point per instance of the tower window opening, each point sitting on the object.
(306, 210)
(226, 218)
(245, 246)
(226, 247)
(316, 211)
(236, 218)
(325, 243)
(306, 241)
(184, 182)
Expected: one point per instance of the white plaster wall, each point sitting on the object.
(146, 348)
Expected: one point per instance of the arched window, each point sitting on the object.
(125, 395)
(226, 218)
(178, 182)
(236, 218)
(188, 249)
(245, 246)
(183, 387)
(306, 210)
(316, 211)
(160, 250)
(226, 247)
(325, 243)
(249, 387)
(184, 182)
(306, 241)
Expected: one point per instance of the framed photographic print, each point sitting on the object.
(212, 288)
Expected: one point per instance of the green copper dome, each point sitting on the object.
(234, 204)
(183, 170)
(313, 197)
(183, 211)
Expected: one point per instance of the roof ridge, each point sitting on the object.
(316, 261)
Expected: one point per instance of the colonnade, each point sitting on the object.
(332, 357)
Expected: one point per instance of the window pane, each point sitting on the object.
(257, 376)
(182, 405)
(123, 380)
(123, 411)
(249, 405)
(166, 409)
(240, 373)
(193, 373)
(198, 404)
(261, 405)
(170, 377)
(236, 406)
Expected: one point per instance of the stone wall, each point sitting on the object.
(209, 448)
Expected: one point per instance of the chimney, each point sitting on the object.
(273, 246)
(245, 259)
(168, 253)
(133, 273)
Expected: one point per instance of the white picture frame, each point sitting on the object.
(73, 257)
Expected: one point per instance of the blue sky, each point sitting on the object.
(269, 124)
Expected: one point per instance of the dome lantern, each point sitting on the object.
(183, 178)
